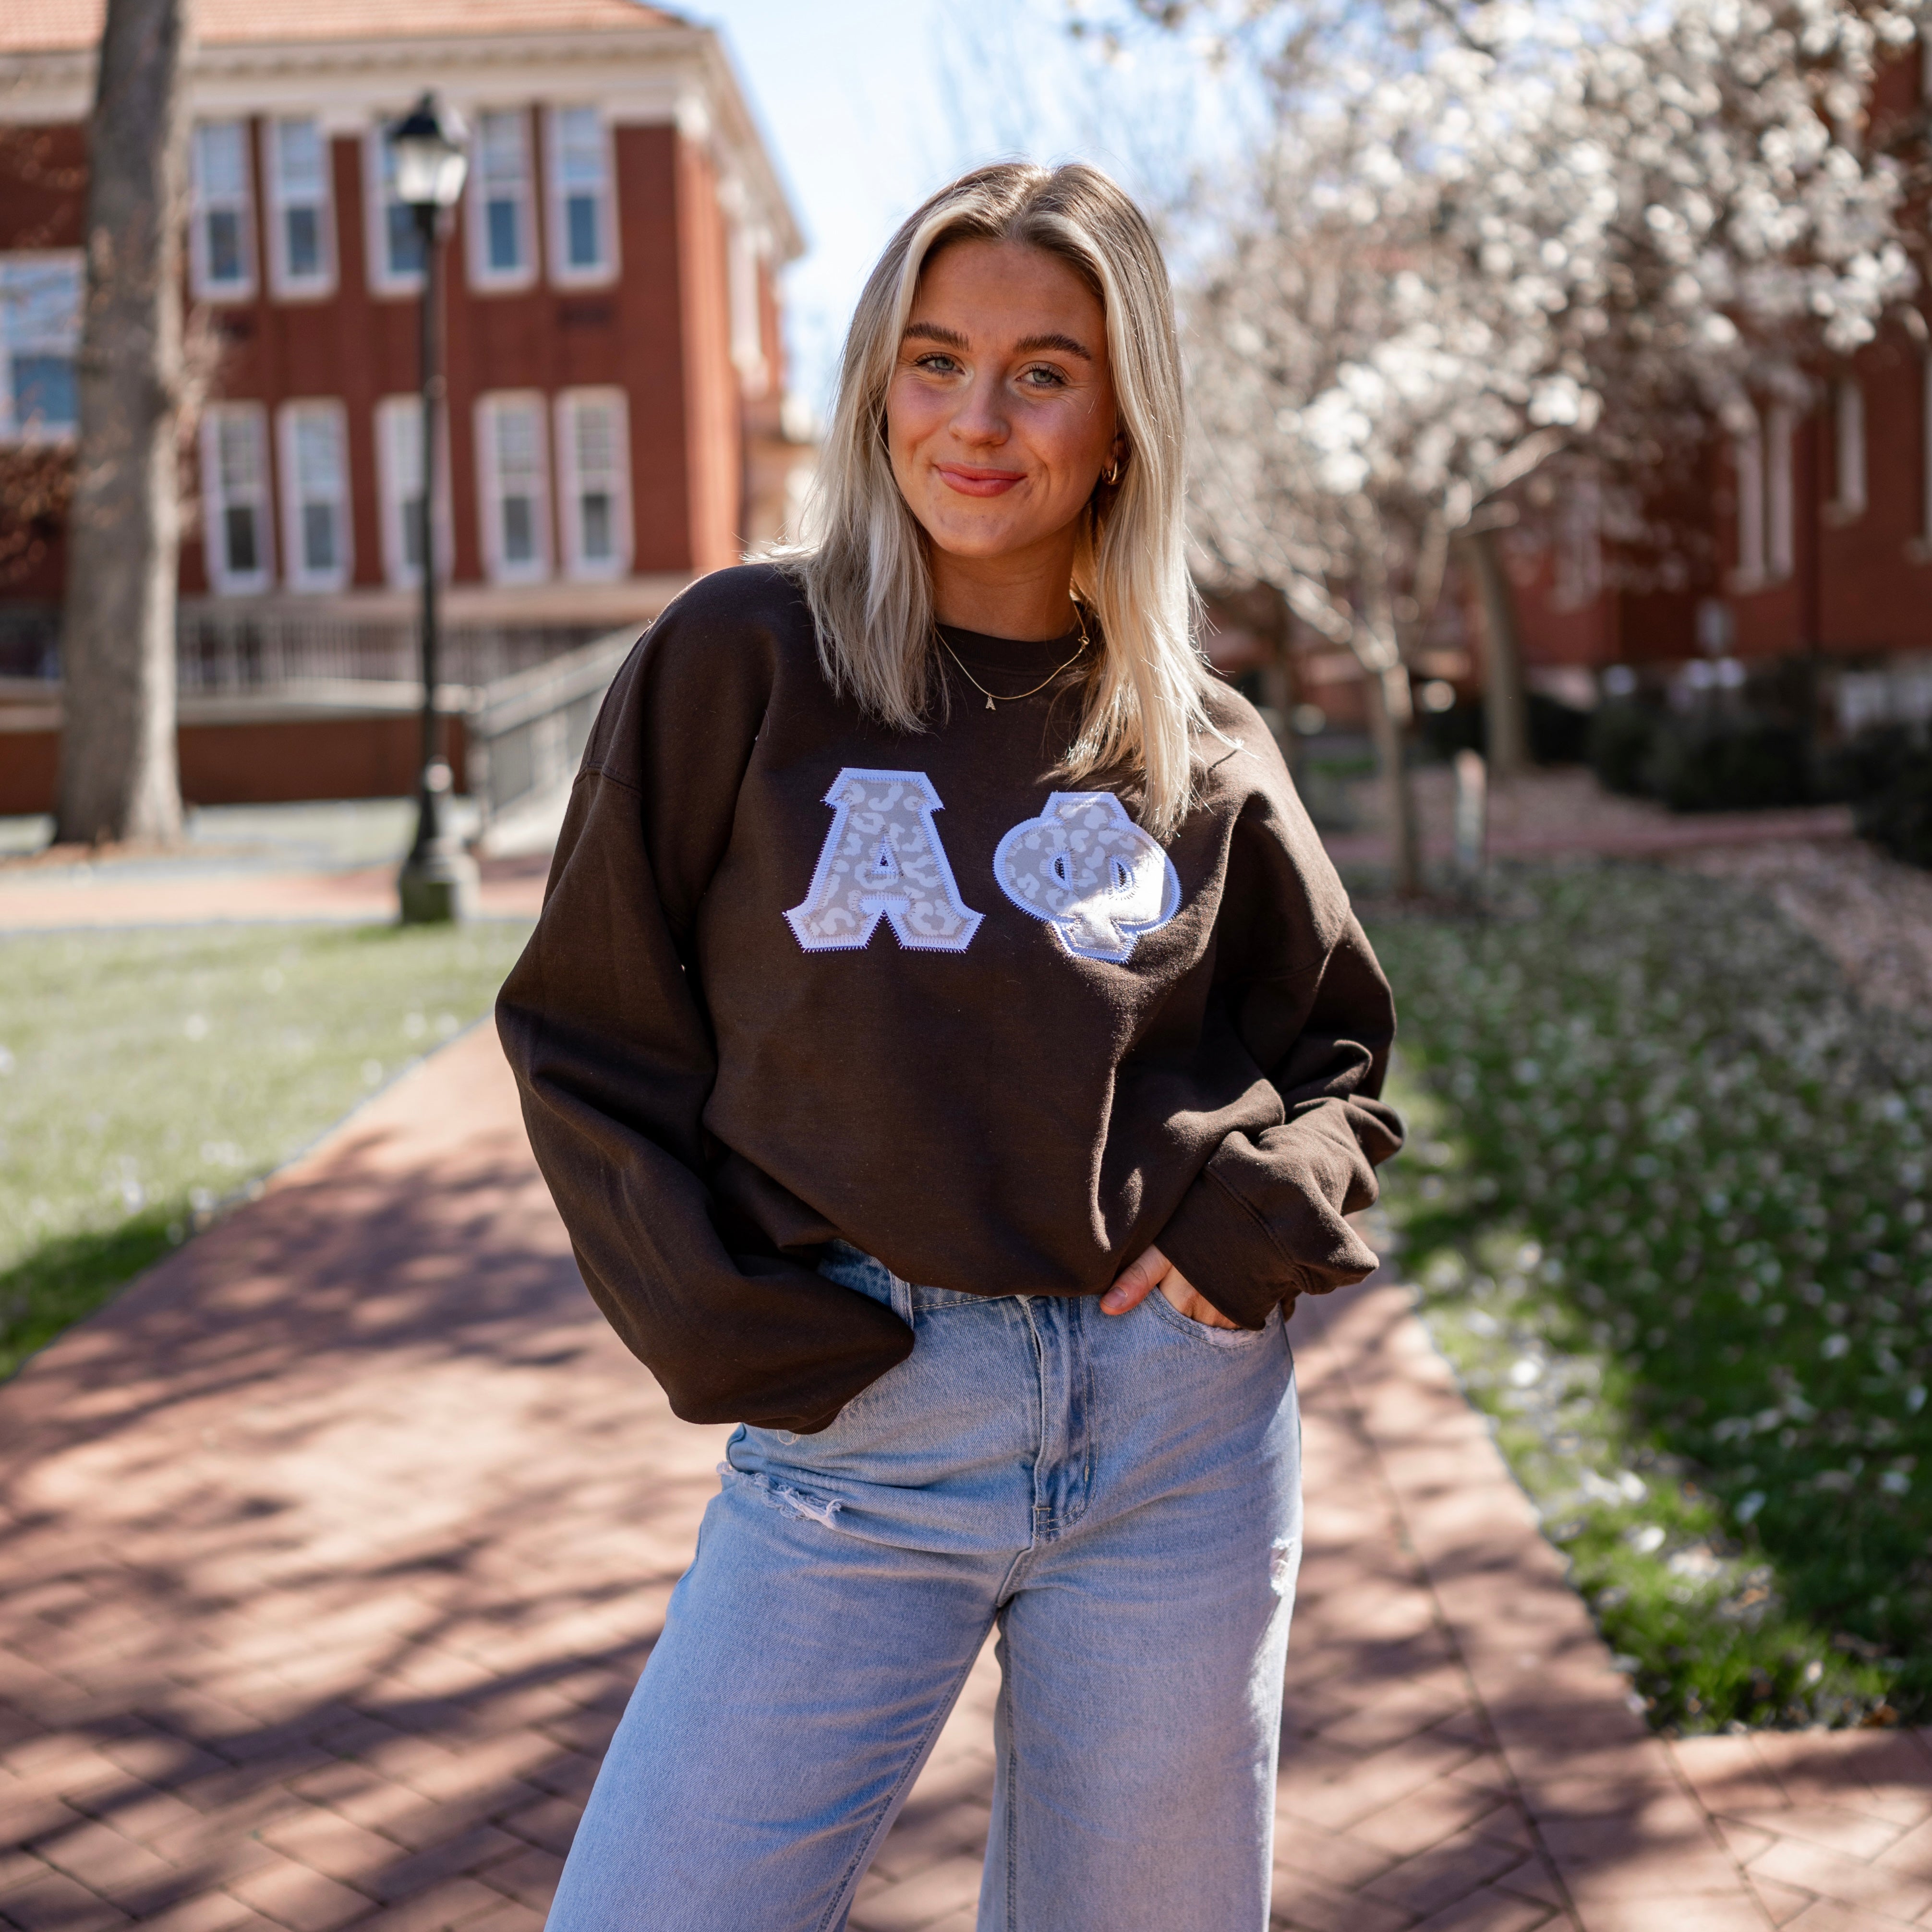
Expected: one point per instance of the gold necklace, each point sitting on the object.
(993, 703)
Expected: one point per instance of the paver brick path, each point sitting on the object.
(328, 1553)
(116, 894)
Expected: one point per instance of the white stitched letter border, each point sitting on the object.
(883, 859)
(1086, 868)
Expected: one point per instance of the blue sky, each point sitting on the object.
(871, 104)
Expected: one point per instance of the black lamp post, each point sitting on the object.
(438, 880)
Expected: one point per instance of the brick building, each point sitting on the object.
(615, 418)
(1812, 543)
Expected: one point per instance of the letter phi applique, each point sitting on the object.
(1086, 868)
(882, 859)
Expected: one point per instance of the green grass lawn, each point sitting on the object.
(148, 1078)
(1666, 1205)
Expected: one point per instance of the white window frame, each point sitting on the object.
(339, 574)
(1780, 495)
(1748, 462)
(482, 276)
(215, 503)
(1851, 478)
(744, 262)
(1925, 407)
(283, 282)
(556, 223)
(382, 280)
(489, 490)
(66, 341)
(395, 490)
(570, 494)
(202, 205)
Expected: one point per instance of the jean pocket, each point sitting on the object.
(1215, 1338)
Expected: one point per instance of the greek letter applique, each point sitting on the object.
(882, 859)
(1086, 868)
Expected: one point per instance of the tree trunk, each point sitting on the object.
(118, 779)
(1505, 707)
(1390, 714)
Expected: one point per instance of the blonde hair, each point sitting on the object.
(863, 563)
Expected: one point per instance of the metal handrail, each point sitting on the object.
(526, 733)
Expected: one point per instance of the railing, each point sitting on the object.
(29, 641)
(234, 651)
(526, 733)
(1900, 694)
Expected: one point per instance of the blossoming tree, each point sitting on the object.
(1470, 239)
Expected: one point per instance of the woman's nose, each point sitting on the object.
(981, 419)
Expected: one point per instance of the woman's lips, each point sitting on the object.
(979, 482)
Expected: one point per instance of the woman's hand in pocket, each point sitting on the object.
(1153, 1269)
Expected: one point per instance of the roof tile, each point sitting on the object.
(46, 26)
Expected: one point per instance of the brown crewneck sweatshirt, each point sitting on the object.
(799, 976)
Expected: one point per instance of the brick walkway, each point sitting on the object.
(131, 895)
(327, 1555)
(1621, 836)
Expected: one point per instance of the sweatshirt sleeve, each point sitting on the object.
(1264, 1219)
(604, 1026)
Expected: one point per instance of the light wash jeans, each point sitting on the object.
(1119, 1494)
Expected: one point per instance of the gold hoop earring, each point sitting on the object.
(1112, 476)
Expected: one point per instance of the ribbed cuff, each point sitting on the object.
(1228, 1255)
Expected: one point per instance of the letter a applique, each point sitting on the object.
(1086, 868)
(883, 859)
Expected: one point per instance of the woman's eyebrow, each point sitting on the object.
(931, 331)
(951, 338)
(1066, 344)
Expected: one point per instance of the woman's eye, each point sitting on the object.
(1044, 379)
(936, 365)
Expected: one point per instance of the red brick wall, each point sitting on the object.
(273, 762)
(715, 439)
(1874, 593)
(43, 187)
(653, 347)
(660, 331)
(42, 195)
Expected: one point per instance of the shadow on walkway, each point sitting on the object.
(329, 1552)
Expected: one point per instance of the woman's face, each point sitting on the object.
(1000, 413)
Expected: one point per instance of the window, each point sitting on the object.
(502, 216)
(301, 233)
(235, 497)
(315, 495)
(1925, 417)
(583, 245)
(747, 320)
(1579, 575)
(40, 330)
(1848, 450)
(1747, 461)
(1780, 502)
(593, 457)
(395, 243)
(1762, 455)
(220, 240)
(515, 491)
(399, 474)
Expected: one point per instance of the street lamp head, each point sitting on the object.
(431, 159)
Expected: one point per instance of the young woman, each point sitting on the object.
(952, 1053)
